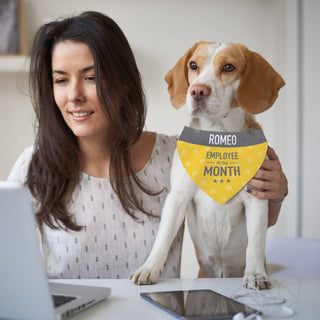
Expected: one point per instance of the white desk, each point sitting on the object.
(126, 303)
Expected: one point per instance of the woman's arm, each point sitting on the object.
(270, 183)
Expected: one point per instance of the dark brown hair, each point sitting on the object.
(54, 169)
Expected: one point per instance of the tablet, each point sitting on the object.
(198, 304)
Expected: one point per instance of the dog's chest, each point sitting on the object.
(216, 224)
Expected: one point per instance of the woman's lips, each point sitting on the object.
(79, 116)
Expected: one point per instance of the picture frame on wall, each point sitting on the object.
(12, 28)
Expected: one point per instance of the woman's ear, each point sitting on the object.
(177, 79)
(259, 85)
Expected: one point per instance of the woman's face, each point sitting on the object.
(74, 89)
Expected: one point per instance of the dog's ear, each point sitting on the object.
(259, 85)
(177, 79)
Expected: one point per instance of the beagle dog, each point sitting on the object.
(223, 86)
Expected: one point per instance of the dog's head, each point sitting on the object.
(212, 78)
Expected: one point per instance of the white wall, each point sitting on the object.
(159, 33)
(310, 115)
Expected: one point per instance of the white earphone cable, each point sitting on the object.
(274, 302)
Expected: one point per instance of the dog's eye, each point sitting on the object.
(193, 66)
(228, 68)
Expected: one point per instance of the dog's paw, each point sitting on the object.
(258, 281)
(146, 275)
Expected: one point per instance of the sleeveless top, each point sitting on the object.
(111, 244)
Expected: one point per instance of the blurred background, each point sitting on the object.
(285, 32)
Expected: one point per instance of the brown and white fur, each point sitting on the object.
(223, 86)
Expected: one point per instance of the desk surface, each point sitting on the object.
(302, 295)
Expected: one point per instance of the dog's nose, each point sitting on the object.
(199, 91)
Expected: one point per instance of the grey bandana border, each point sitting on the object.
(222, 139)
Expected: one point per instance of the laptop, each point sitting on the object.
(25, 292)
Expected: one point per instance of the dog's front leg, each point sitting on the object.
(255, 275)
(173, 215)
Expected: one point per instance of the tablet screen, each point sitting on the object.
(198, 304)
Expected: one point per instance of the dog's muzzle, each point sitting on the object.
(199, 94)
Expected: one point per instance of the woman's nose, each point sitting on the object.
(75, 93)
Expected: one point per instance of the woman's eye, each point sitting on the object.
(193, 66)
(59, 81)
(91, 78)
(228, 68)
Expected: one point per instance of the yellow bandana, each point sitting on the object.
(221, 163)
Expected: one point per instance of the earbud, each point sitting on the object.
(239, 316)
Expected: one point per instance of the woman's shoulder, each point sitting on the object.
(164, 148)
(19, 170)
(170, 139)
(166, 143)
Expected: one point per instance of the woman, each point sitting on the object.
(98, 182)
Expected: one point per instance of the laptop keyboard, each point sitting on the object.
(60, 299)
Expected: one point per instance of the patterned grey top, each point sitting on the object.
(111, 244)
